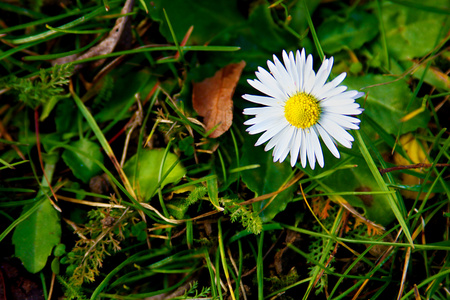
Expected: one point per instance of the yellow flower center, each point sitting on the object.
(302, 110)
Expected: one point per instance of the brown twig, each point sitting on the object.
(415, 166)
(269, 195)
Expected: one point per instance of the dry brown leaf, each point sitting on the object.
(121, 33)
(212, 98)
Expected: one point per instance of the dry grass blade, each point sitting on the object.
(121, 32)
(405, 270)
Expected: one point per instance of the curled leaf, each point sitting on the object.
(416, 153)
(212, 98)
(121, 33)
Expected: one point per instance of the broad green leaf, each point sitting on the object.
(83, 167)
(386, 102)
(35, 237)
(264, 32)
(396, 204)
(336, 33)
(125, 87)
(268, 178)
(213, 192)
(360, 179)
(65, 118)
(413, 31)
(145, 175)
(433, 77)
(209, 18)
(225, 160)
(299, 22)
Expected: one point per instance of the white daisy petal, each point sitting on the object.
(316, 146)
(337, 133)
(270, 133)
(332, 91)
(303, 149)
(264, 119)
(310, 153)
(261, 119)
(289, 62)
(342, 96)
(287, 133)
(275, 93)
(282, 76)
(338, 80)
(264, 100)
(322, 76)
(276, 139)
(339, 102)
(266, 111)
(299, 108)
(269, 80)
(329, 142)
(310, 75)
(350, 109)
(284, 155)
(343, 121)
(262, 126)
(359, 95)
(300, 63)
(295, 149)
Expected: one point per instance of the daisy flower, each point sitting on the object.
(300, 107)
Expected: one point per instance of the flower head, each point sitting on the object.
(299, 107)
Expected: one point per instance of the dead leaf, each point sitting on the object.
(284, 258)
(121, 33)
(416, 151)
(212, 98)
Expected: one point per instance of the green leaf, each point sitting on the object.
(412, 31)
(216, 17)
(268, 178)
(144, 174)
(298, 22)
(65, 118)
(264, 32)
(360, 179)
(387, 102)
(35, 237)
(59, 250)
(55, 265)
(139, 230)
(395, 203)
(48, 106)
(336, 33)
(82, 166)
(177, 208)
(213, 192)
(117, 107)
(187, 145)
(433, 77)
